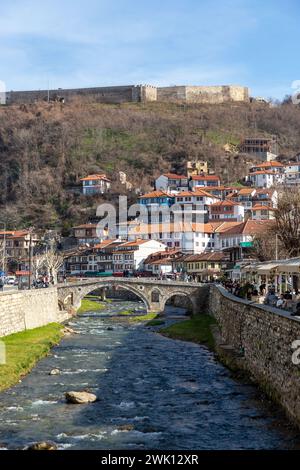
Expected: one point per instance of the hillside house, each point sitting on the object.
(95, 184)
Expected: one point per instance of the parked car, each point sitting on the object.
(10, 280)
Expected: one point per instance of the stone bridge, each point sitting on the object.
(152, 292)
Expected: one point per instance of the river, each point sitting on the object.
(154, 393)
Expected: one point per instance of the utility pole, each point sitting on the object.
(30, 259)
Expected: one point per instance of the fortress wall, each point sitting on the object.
(216, 94)
(140, 93)
(118, 94)
(171, 93)
(148, 93)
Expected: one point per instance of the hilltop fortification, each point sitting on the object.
(136, 94)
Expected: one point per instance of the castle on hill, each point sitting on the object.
(135, 94)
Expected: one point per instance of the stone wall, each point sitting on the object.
(22, 310)
(139, 93)
(265, 335)
(203, 94)
(115, 94)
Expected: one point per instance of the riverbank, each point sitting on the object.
(25, 349)
(90, 305)
(197, 329)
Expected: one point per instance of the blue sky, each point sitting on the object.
(161, 42)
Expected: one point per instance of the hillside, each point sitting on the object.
(46, 148)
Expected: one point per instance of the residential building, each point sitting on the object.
(86, 234)
(227, 210)
(204, 180)
(170, 182)
(238, 239)
(130, 256)
(160, 263)
(196, 167)
(95, 184)
(265, 178)
(243, 196)
(156, 206)
(265, 148)
(262, 212)
(18, 244)
(206, 266)
(274, 166)
(292, 174)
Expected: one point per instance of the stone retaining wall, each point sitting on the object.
(24, 310)
(265, 336)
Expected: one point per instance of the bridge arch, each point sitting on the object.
(83, 291)
(179, 293)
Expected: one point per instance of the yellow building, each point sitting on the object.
(205, 266)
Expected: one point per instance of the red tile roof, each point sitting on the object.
(99, 177)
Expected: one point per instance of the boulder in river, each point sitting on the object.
(126, 427)
(80, 398)
(44, 445)
(54, 372)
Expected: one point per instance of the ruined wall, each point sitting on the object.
(266, 335)
(22, 310)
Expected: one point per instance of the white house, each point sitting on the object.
(265, 178)
(95, 184)
(130, 256)
(204, 180)
(170, 182)
(292, 174)
(262, 212)
(227, 210)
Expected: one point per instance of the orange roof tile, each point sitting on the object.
(155, 194)
(99, 177)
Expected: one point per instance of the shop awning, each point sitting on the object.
(266, 268)
(292, 267)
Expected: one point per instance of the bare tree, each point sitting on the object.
(287, 217)
(267, 245)
(38, 265)
(53, 261)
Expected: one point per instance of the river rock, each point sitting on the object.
(54, 372)
(67, 331)
(42, 446)
(126, 427)
(80, 398)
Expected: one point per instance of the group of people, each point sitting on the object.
(252, 291)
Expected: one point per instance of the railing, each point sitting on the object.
(128, 280)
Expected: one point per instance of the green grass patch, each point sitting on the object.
(142, 318)
(23, 351)
(127, 312)
(197, 329)
(155, 323)
(88, 305)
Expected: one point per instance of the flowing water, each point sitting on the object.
(154, 393)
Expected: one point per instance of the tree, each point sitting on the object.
(287, 218)
(53, 261)
(38, 265)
